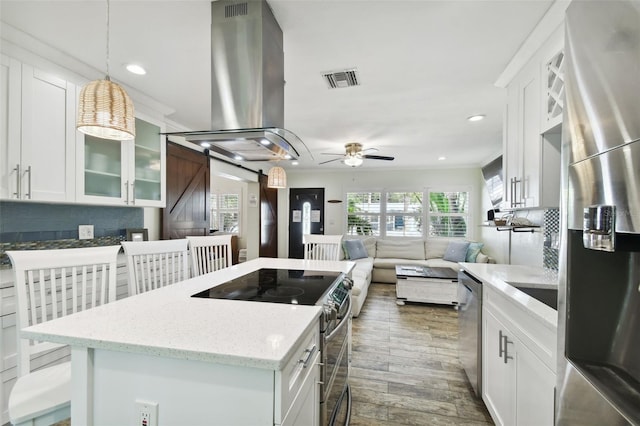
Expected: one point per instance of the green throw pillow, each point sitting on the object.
(472, 252)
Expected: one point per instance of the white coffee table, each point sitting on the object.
(426, 285)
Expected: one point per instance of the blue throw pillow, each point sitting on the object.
(456, 251)
(355, 249)
(472, 252)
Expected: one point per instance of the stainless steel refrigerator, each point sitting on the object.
(598, 377)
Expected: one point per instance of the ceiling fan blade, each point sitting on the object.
(378, 157)
(329, 161)
(331, 153)
(369, 150)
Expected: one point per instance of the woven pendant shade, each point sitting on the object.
(106, 111)
(276, 178)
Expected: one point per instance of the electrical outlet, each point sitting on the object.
(85, 232)
(146, 413)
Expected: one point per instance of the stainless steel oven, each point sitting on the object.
(331, 291)
(335, 396)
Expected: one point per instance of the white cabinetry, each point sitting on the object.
(305, 408)
(123, 172)
(534, 106)
(38, 135)
(192, 392)
(553, 63)
(518, 364)
(523, 159)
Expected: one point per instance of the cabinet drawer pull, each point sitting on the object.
(309, 353)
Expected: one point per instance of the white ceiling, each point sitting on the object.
(424, 67)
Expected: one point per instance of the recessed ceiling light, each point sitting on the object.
(265, 142)
(136, 69)
(442, 158)
(476, 117)
(287, 157)
(205, 144)
(295, 163)
(237, 157)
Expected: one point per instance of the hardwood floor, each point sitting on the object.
(405, 367)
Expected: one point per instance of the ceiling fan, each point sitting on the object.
(354, 155)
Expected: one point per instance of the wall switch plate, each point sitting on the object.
(85, 232)
(146, 413)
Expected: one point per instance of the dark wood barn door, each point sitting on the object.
(188, 193)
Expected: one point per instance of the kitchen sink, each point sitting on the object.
(548, 296)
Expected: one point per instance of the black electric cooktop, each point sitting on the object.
(290, 286)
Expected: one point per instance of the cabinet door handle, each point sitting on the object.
(500, 350)
(17, 170)
(133, 193)
(28, 172)
(126, 190)
(514, 192)
(506, 353)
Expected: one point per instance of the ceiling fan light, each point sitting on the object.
(277, 178)
(353, 161)
(105, 110)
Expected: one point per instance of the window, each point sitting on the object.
(448, 214)
(416, 214)
(404, 214)
(225, 212)
(363, 213)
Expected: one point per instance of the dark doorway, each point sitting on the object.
(306, 214)
(268, 219)
(188, 198)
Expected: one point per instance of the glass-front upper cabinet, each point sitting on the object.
(149, 163)
(103, 169)
(130, 173)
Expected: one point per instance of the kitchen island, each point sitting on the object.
(202, 361)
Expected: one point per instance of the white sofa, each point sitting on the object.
(383, 256)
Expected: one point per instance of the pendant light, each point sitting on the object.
(277, 178)
(105, 109)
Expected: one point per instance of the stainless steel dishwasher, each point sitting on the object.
(470, 328)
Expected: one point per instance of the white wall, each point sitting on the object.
(337, 183)
(153, 222)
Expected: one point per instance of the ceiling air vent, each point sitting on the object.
(339, 79)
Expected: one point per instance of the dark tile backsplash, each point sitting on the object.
(30, 226)
(551, 238)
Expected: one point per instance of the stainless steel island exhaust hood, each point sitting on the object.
(247, 85)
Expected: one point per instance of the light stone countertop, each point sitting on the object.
(168, 322)
(498, 277)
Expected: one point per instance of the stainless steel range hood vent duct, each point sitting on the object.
(247, 84)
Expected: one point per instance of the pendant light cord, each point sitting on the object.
(107, 78)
